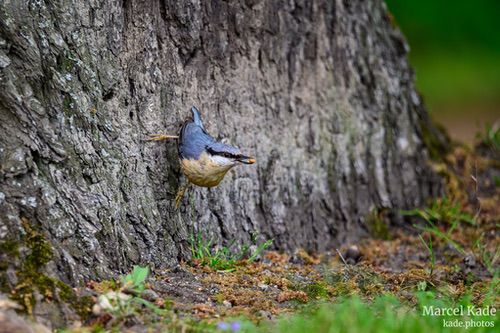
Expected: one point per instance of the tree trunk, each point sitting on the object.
(319, 91)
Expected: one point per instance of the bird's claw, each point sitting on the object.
(161, 137)
(180, 195)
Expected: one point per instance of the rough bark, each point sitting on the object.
(319, 91)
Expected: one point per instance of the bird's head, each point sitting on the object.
(224, 154)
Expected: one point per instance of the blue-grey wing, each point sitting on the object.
(219, 147)
(192, 140)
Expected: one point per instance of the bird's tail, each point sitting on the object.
(197, 117)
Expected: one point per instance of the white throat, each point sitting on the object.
(222, 161)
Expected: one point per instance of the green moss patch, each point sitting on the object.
(29, 256)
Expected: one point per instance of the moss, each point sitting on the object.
(377, 224)
(65, 63)
(30, 276)
(68, 105)
(82, 305)
(435, 139)
(8, 249)
(219, 298)
(317, 290)
(343, 289)
(51, 289)
(369, 284)
(41, 251)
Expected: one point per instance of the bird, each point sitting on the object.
(203, 159)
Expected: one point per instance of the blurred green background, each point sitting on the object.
(455, 51)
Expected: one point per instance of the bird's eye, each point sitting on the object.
(225, 154)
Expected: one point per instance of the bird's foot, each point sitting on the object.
(161, 137)
(180, 195)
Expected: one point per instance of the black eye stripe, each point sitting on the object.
(222, 153)
(225, 154)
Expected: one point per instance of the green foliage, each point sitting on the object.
(350, 315)
(451, 82)
(384, 314)
(490, 137)
(487, 257)
(136, 279)
(455, 50)
(432, 255)
(127, 300)
(435, 23)
(446, 213)
(223, 258)
(442, 211)
(259, 250)
(496, 179)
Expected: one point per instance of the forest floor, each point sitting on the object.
(444, 255)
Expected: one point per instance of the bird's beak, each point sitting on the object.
(246, 160)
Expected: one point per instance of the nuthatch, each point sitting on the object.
(204, 160)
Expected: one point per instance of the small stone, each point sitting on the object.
(96, 309)
(266, 314)
(6, 304)
(149, 295)
(352, 255)
(227, 304)
(470, 261)
(12, 322)
(263, 287)
(253, 248)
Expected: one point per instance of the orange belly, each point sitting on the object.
(203, 172)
